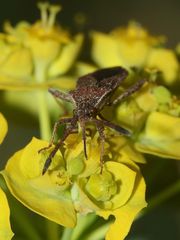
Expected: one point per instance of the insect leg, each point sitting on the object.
(115, 127)
(62, 95)
(59, 122)
(130, 91)
(100, 128)
(83, 127)
(60, 142)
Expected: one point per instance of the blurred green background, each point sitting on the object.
(160, 17)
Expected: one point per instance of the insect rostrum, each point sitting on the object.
(93, 91)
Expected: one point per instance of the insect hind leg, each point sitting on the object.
(116, 127)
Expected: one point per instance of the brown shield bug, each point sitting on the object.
(93, 92)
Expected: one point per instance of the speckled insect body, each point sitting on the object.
(93, 92)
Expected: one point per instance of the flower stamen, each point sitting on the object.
(43, 7)
(53, 11)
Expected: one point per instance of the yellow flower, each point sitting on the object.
(5, 228)
(42, 51)
(73, 184)
(123, 46)
(133, 46)
(35, 57)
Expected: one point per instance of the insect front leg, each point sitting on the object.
(100, 128)
(56, 125)
(130, 91)
(68, 131)
(61, 95)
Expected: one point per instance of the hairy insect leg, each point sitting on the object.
(56, 125)
(114, 126)
(83, 127)
(57, 146)
(130, 91)
(61, 95)
(100, 128)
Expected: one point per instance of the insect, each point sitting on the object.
(93, 92)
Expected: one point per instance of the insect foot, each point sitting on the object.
(93, 92)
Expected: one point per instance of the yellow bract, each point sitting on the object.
(5, 228)
(133, 46)
(3, 127)
(42, 194)
(160, 136)
(165, 61)
(125, 215)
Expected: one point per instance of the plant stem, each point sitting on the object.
(44, 118)
(163, 196)
(82, 224)
(45, 133)
(67, 234)
(53, 230)
(99, 233)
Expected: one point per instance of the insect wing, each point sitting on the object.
(109, 78)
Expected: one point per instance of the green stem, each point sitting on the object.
(83, 223)
(53, 230)
(45, 133)
(67, 233)
(163, 196)
(99, 233)
(44, 118)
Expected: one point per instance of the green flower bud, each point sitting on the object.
(101, 186)
(163, 96)
(75, 165)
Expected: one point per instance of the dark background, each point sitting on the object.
(160, 17)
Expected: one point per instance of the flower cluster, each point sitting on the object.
(75, 185)
(154, 116)
(30, 50)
